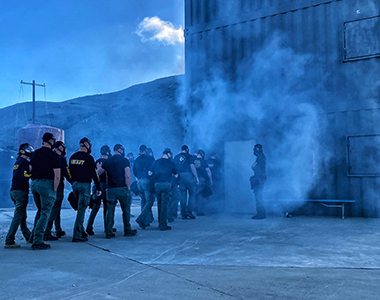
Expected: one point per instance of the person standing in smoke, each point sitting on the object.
(105, 153)
(260, 177)
(46, 175)
(214, 165)
(144, 184)
(162, 170)
(55, 215)
(118, 189)
(19, 195)
(82, 169)
(205, 180)
(215, 168)
(188, 179)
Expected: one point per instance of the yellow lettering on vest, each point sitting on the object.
(77, 162)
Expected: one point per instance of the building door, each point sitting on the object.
(238, 159)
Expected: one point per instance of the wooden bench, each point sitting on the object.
(336, 203)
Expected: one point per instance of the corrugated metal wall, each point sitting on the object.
(224, 34)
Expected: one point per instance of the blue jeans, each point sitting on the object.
(44, 197)
(55, 212)
(125, 197)
(163, 190)
(147, 201)
(95, 209)
(187, 183)
(20, 199)
(82, 192)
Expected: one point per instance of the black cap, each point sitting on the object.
(84, 140)
(105, 150)
(117, 147)
(59, 144)
(184, 147)
(143, 148)
(167, 151)
(258, 147)
(201, 153)
(47, 137)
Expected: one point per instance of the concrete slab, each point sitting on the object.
(212, 257)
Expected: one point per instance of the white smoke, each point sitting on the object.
(155, 29)
(275, 99)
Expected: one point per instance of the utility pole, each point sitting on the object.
(34, 84)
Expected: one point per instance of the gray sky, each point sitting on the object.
(80, 48)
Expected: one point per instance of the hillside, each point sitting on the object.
(145, 113)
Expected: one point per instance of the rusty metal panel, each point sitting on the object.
(33, 133)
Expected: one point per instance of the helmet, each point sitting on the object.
(25, 149)
(61, 144)
(83, 143)
(105, 150)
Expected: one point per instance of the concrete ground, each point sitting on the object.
(212, 257)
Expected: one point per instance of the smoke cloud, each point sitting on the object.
(156, 30)
(274, 101)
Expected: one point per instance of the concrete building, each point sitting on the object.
(302, 79)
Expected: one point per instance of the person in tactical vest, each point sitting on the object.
(260, 177)
(105, 153)
(205, 180)
(141, 167)
(19, 195)
(82, 169)
(119, 185)
(46, 176)
(163, 169)
(188, 179)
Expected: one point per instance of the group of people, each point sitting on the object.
(184, 179)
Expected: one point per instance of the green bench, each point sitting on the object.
(335, 203)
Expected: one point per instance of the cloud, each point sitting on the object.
(155, 29)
